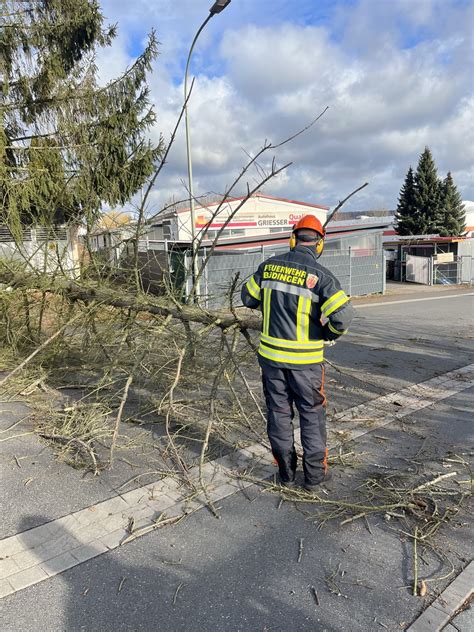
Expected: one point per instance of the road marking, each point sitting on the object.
(412, 300)
(381, 411)
(32, 556)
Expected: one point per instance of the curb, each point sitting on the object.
(445, 606)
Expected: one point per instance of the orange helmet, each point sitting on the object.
(310, 222)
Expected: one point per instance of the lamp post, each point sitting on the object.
(216, 8)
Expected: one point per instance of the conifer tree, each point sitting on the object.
(406, 216)
(452, 215)
(427, 195)
(67, 145)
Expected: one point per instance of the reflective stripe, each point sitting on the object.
(291, 344)
(336, 331)
(291, 289)
(253, 288)
(327, 304)
(334, 306)
(267, 295)
(289, 357)
(302, 319)
(334, 302)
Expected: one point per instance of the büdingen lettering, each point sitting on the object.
(295, 276)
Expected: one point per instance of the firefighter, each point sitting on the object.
(303, 306)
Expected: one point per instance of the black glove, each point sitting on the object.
(328, 334)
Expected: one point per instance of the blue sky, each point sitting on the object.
(396, 74)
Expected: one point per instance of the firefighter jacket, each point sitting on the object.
(302, 304)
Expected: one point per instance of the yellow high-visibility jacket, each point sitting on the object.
(302, 304)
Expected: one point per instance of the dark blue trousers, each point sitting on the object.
(284, 390)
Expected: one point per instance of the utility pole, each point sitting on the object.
(216, 8)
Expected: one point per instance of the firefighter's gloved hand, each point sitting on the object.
(328, 335)
(329, 343)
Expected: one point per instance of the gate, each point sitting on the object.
(418, 269)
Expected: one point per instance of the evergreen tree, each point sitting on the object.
(405, 215)
(67, 145)
(452, 216)
(427, 195)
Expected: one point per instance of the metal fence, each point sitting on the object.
(359, 272)
(467, 269)
(427, 271)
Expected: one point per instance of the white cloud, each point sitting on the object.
(395, 75)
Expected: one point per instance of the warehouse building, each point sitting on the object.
(236, 217)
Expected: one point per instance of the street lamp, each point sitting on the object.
(216, 8)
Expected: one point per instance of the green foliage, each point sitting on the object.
(68, 145)
(405, 216)
(427, 195)
(427, 205)
(453, 216)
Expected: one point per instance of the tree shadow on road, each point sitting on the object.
(154, 584)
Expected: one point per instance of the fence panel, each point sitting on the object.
(467, 269)
(367, 273)
(340, 264)
(358, 273)
(220, 272)
(447, 273)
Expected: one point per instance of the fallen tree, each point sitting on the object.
(101, 294)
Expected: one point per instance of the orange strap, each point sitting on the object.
(325, 461)
(322, 391)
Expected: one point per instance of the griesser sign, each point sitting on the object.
(278, 221)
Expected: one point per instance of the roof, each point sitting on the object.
(417, 239)
(253, 241)
(343, 215)
(158, 217)
(383, 221)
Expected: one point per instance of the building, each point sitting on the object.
(110, 243)
(469, 210)
(49, 249)
(264, 221)
(256, 216)
(429, 259)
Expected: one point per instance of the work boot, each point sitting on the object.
(291, 482)
(314, 485)
(286, 468)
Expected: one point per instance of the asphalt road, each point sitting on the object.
(241, 572)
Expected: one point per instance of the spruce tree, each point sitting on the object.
(452, 216)
(406, 216)
(67, 144)
(427, 195)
